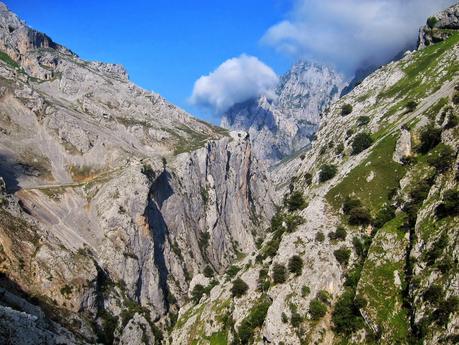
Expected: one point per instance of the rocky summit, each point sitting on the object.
(281, 126)
(124, 220)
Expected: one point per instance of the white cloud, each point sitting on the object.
(348, 33)
(235, 80)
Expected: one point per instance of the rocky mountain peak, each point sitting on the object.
(281, 126)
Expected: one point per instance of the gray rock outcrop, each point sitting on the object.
(436, 29)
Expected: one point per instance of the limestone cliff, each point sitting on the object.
(114, 199)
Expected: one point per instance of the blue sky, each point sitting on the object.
(205, 55)
(165, 45)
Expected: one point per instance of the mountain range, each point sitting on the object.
(124, 220)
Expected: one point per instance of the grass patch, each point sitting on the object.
(375, 192)
(8, 60)
(422, 74)
(383, 280)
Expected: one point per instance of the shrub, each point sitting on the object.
(208, 272)
(263, 280)
(284, 317)
(279, 274)
(456, 98)
(350, 203)
(292, 221)
(342, 255)
(346, 109)
(452, 121)
(431, 22)
(437, 249)
(239, 288)
(305, 290)
(320, 237)
(429, 137)
(296, 319)
(445, 309)
(450, 205)
(349, 132)
(359, 216)
(361, 142)
(353, 276)
(307, 179)
(253, 320)
(443, 159)
(340, 234)
(433, 294)
(204, 240)
(271, 248)
(296, 201)
(277, 222)
(411, 106)
(317, 309)
(197, 293)
(295, 265)
(384, 215)
(346, 316)
(232, 271)
(327, 172)
(324, 296)
(361, 246)
(363, 120)
(339, 149)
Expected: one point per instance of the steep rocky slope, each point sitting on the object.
(115, 200)
(281, 126)
(364, 248)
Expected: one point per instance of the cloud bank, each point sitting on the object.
(235, 80)
(349, 33)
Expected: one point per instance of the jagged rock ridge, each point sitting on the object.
(281, 126)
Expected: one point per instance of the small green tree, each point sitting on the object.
(450, 205)
(442, 159)
(239, 288)
(342, 255)
(346, 109)
(433, 294)
(339, 149)
(307, 179)
(411, 106)
(317, 309)
(320, 237)
(197, 293)
(296, 201)
(279, 274)
(361, 142)
(232, 271)
(359, 216)
(295, 265)
(431, 22)
(208, 271)
(363, 120)
(350, 203)
(327, 172)
(305, 290)
(430, 137)
(340, 234)
(346, 316)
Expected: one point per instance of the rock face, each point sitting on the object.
(114, 198)
(286, 124)
(436, 29)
